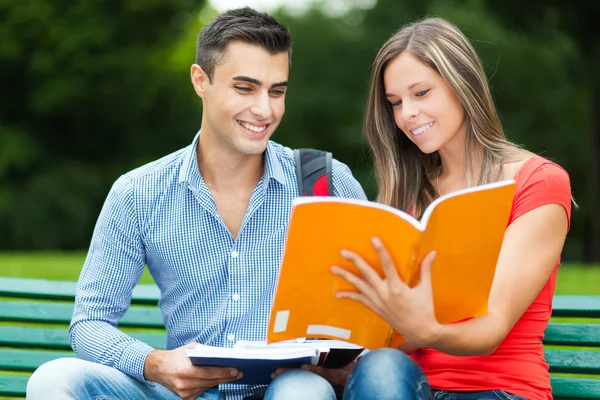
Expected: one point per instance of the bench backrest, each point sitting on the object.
(34, 315)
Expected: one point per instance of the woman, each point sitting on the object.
(433, 129)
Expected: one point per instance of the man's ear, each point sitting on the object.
(199, 80)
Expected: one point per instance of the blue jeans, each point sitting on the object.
(72, 378)
(390, 374)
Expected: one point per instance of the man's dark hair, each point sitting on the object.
(246, 25)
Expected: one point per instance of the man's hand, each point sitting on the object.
(173, 370)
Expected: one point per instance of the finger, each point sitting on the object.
(361, 285)
(426, 266)
(279, 371)
(364, 300)
(213, 373)
(389, 267)
(370, 275)
(313, 368)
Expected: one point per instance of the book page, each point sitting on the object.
(305, 304)
(466, 231)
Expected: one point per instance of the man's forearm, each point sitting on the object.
(100, 342)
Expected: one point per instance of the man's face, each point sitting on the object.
(245, 102)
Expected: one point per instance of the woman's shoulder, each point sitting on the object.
(531, 165)
(540, 181)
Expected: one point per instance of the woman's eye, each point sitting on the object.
(396, 103)
(422, 92)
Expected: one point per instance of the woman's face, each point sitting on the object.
(425, 107)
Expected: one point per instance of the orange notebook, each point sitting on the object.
(465, 228)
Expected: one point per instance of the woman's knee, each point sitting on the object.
(386, 373)
(299, 384)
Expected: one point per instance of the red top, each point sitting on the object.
(518, 365)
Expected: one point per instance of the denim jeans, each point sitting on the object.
(75, 379)
(390, 374)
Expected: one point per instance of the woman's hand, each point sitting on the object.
(408, 310)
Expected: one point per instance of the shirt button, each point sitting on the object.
(235, 297)
(234, 254)
(231, 337)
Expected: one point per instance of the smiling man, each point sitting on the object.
(209, 221)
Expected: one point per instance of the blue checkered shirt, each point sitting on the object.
(215, 289)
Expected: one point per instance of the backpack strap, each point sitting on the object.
(313, 172)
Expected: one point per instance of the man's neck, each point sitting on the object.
(225, 172)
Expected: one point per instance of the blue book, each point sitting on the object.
(257, 371)
(258, 360)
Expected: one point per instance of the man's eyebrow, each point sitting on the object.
(247, 79)
(257, 82)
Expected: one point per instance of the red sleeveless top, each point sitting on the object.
(518, 365)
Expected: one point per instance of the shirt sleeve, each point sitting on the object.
(344, 183)
(113, 266)
(548, 183)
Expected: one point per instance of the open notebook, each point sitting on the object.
(258, 360)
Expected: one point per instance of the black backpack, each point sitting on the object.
(313, 172)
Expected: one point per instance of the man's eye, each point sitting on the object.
(277, 92)
(243, 88)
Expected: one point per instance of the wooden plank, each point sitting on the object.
(575, 388)
(65, 290)
(576, 306)
(573, 361)
(55, 338)
(573, 334)
(53, 312)
(11, 385)
(28, 360)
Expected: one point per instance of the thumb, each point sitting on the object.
(426, 265)
(191, 345)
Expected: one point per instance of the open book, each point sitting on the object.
(465, 228)
(258, 360)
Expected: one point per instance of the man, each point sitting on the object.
(209, 221)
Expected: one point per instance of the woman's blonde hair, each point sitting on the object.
(404, 173)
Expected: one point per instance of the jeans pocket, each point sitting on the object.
(503, 395)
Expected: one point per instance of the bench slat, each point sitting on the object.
(573, 361)
(56, 338)
(28, 360)
(65, 290)
(62, 312)
(576, 306)
(573, 334)
(575, 388)
(13, 385)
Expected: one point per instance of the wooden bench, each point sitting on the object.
(34, 315)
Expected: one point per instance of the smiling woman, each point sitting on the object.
(433, 128)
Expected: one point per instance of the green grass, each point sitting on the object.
(578, 279)
(48, 265)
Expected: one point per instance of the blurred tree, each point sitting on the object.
(331, 66)
(96, 88)
(580, 21)
(87, 94)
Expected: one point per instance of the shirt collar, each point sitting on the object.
(189, 171)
